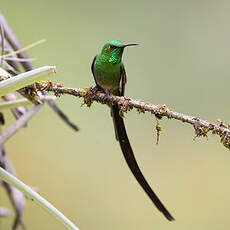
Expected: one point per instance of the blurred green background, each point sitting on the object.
(183, 61)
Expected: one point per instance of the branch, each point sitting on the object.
(201, 127)
(16, 198)
(19, 124)
(34, 196)
(15, 44)
(10, 36)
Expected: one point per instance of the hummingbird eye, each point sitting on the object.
(112, 47)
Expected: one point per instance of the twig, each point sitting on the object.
(19, 59)
(16, 198)
(27, 65)
(31, 194)
(201, 127)
(62, 115)
(17, 111)
(13, 64)
(18, 103)
(23, 49)
(2, 40)
(13, 41)
(19, 124)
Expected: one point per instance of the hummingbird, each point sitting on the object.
(110, 77)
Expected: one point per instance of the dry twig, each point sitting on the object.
(27, 65)
(21, 122)
(16, 198)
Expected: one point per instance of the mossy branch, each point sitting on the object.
(202, 127)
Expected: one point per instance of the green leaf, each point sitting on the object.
(24, 79)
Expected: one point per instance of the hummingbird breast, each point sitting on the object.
(107, 75)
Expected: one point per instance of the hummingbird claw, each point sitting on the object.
(94, 89)
(105, 98)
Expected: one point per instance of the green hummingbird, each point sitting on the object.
(110, 77)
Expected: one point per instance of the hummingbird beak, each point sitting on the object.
(130, 44)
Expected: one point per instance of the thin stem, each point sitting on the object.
(19, 124)
(23, 49)
(31, 194)
(14, 103)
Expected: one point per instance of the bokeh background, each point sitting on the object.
(183, 61)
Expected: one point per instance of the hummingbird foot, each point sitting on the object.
(95, 89)
(105, 98)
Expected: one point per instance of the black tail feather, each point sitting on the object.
(126, 148)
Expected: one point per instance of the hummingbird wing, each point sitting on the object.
(92, 68)
(123, 79)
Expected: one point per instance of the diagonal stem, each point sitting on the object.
(19, 124)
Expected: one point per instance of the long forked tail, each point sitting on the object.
(127, 151)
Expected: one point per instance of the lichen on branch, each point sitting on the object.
(201, 127)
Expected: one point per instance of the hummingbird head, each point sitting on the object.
(112, 51)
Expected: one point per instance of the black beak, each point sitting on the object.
(131, 44)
